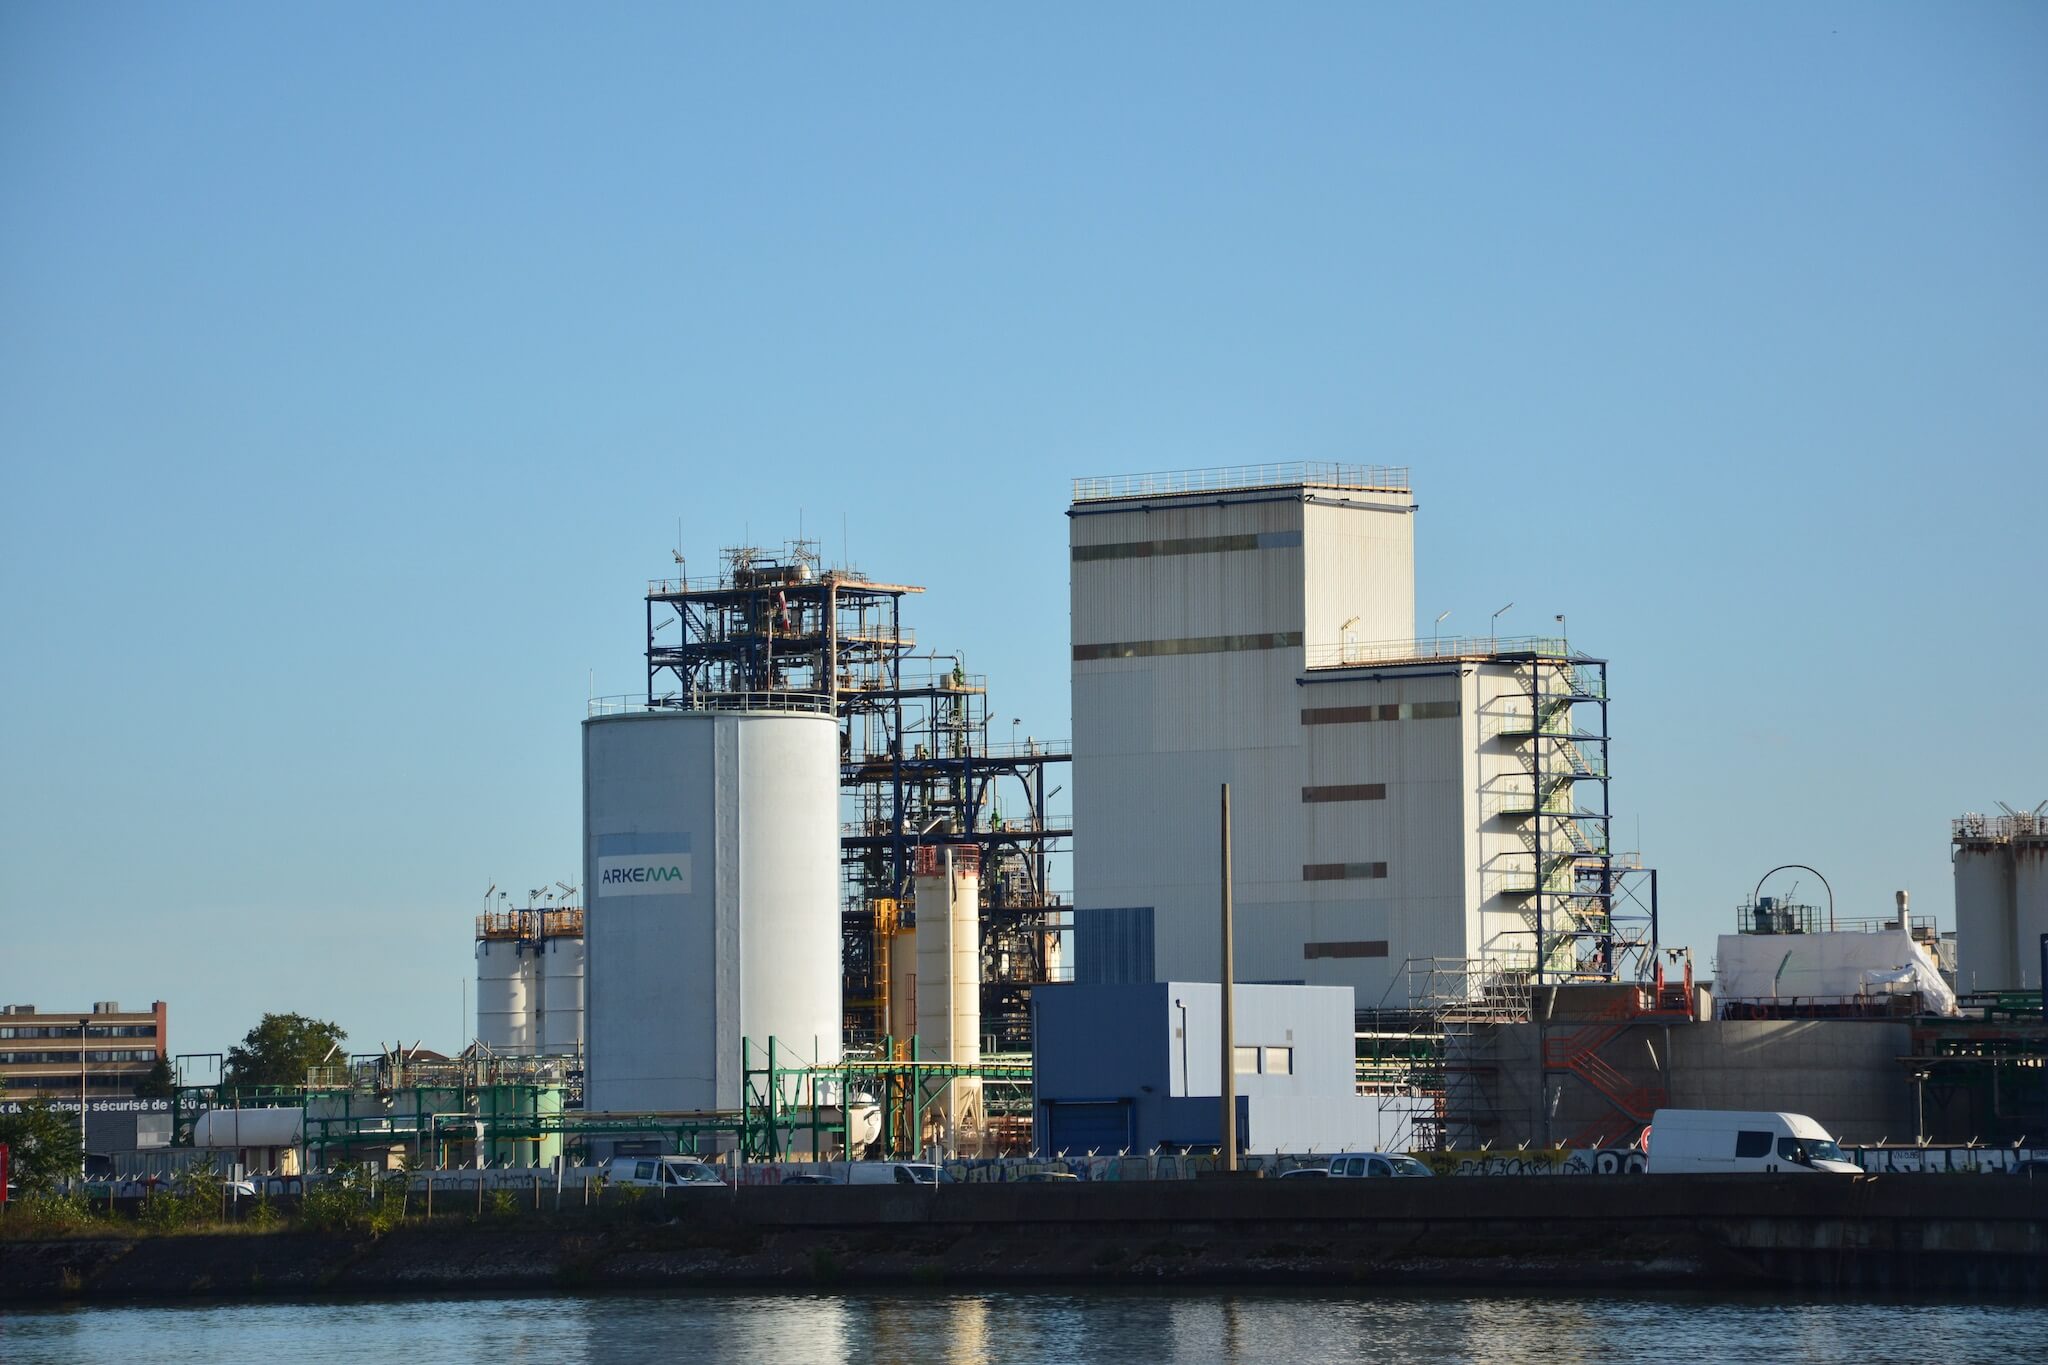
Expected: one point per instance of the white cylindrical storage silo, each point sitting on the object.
(1985, 959)
(559, 971)
(711, 858)
(2030, 906)
(504, 1001)
(948, 883)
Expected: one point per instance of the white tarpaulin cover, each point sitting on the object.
(1823, 968)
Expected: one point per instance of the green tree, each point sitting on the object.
(43, 1146)
(160, 1084)
(280, 1049)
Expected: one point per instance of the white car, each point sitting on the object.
(1367, 1165)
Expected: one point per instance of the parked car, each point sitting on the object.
(1709, 1141)
(661, 1172)
(807, 1180)
(1370, 1165)
(1306, 1173)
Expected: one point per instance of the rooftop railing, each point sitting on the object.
(763, 581)
(1360, 653)
(1999, 828)
(712, 701)
(1166, 483)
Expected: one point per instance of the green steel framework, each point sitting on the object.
(780, 1102)
(786, 1112)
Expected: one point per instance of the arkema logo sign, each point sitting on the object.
(644, 874)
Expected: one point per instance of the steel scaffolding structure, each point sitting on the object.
(916, 763)
(1593, 913)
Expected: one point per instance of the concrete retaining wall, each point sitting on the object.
(1843, 1072)
(1950, 1233)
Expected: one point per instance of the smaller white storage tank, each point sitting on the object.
(1984, 919)
(504, 996)
(948, 882)
(2030, 906)
(559, 980)
(248, 1128)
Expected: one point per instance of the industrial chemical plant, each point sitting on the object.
(817, 915)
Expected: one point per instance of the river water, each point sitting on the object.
(1027, 1327)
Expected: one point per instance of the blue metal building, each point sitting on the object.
(1137, 1066)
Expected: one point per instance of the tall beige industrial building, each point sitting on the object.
(1393, 798)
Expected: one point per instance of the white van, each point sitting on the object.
(1702, 1141)
(895, 1173)
(661, 1172)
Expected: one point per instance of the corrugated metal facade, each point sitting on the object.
(711, 850)
(1354, 839)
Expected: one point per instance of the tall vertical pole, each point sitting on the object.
(1229, 1086)
(83, 1158)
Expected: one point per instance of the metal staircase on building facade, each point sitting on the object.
(1578, 1053)
(1557, 729)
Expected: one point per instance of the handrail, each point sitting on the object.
(1998, 828)
(1358, 653)
(808, 702)
(1165, 483)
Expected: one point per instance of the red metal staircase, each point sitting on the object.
(1577, 1052)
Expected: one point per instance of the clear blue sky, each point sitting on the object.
(357, 364)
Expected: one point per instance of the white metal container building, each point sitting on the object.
(2001, 872)
(1413, 799)
(711, 862)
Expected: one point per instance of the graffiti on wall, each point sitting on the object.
(1537, 1161)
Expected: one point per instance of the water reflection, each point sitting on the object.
(1028, 1327)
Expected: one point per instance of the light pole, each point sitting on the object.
(1563, 634)
(1493, 634)
(82, 1157)
(1228, 1021)
(1434, 631)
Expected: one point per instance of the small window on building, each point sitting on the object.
(1279, 1061)
(1751, 1144)
(1247, 1063)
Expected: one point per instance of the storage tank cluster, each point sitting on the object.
(2001, 870)
(530, 982)
(711, 858)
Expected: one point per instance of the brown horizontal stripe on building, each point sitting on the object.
(1341, 872)
(1357, 791)
(1376, 947)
